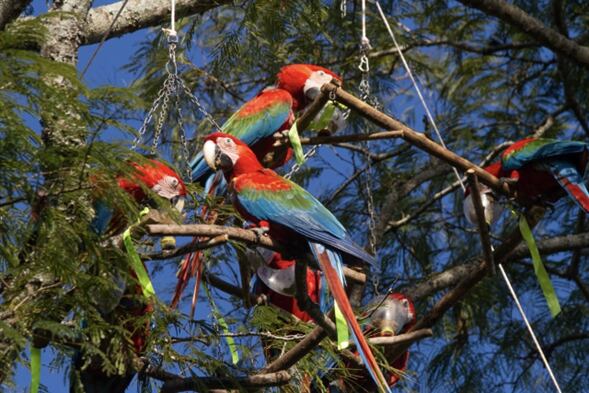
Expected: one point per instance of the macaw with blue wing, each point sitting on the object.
(540, 171)
(295, 218)
(256, 123)
(166, 183)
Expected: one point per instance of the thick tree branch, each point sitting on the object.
(205, 383)
(10, 10)
(243, 235)
(140, 14)
(534, 27)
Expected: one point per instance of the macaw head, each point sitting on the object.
(229, 154)
(394, 315)
(304, 81)
(158, 177)
(491, 206)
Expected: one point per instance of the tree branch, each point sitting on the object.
(139, 14)
(10, 10)
(243, 235)
(253, 381)
(415, 138)
(535, 28)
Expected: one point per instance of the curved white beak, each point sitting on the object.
(209, 150)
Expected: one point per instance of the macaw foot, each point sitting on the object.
(280, 138)
(508, 180)
(261, 229)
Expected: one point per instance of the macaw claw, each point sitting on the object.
(260, 232)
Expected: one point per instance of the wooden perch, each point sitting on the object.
(233, 233)
(415, 138)
(481, 220)
(331, 139)
(253, 381)
(406, 338)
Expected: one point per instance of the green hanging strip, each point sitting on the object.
(295, 142)
(217, 314)
(539, 269)
(321, 121)
(136, 264)
(341, 326)
(35, 369)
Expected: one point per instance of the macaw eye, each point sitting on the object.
(228, 141)
(321, 73)
(405, 303)
(175, 182)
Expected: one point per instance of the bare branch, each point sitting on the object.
(139, 14)
(415, 138)
(535, 28)
(243, 235)
(253, 381)
(11, 9)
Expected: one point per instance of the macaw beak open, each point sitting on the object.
(215, 158)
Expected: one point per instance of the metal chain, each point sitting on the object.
(366, 96)
(185, 155)
(296, 167)
(173, 85)
(343, 7)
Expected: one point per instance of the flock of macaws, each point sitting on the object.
(237, 161)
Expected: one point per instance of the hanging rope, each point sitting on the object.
(416, 86)
(530, 329)
(103, 39)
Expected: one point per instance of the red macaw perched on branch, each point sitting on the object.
(541, 171)
(294, 217)
(166, 183)
(388, 315)
(255, 123)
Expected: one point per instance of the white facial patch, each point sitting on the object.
(168, 187)
(314, 83)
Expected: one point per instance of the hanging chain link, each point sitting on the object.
(366, 96)
(296, 167)
(343, 7)
(185, 155)
(172, 86)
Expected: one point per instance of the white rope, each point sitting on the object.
(364, 38)
(103, 39)
(523, 314)
(417, 89)
(173, 18)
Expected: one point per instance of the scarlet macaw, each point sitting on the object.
(166, 183)
(255, 123)
(294, 217)
(388, 315)
(540, 171)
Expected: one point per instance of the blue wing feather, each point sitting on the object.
(541, 149)
(298, 210)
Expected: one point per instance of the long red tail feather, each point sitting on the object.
(340, 296)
